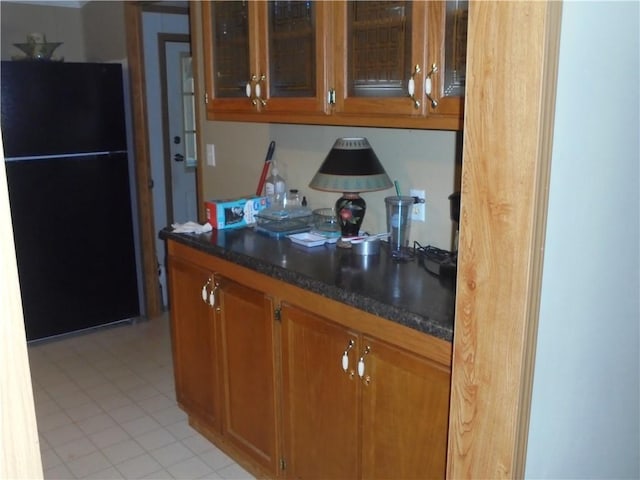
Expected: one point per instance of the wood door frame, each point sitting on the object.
(512, 61)
(148, 231)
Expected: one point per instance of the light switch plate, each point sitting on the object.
(418, 211)
(211, 154)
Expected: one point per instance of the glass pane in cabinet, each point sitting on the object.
(292, 45)
(230, 27)
(379, 48)
(455, 56)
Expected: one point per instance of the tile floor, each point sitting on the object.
(106, 409)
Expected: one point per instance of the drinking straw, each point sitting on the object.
(395, 182)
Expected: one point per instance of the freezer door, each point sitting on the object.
(53, 108)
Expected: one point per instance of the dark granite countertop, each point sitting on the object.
(401, 292)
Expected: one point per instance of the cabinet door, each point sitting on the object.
(193, 335)
(378, 45)
(446, 58)
(320, 400)
(247, 338)
(229, 36)
(404, 415)
(265, 56)
(293, 55)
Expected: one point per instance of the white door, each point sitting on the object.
(181, 159)
(159, 29)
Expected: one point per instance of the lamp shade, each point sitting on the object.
(351, 166)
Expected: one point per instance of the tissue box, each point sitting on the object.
(234, 213)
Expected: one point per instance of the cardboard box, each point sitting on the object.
(234, 213)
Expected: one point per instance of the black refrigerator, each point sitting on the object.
(64, 136)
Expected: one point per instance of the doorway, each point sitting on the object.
(175, 200)
(179, 130)
(144, 23)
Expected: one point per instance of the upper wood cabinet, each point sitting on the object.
(387, 64)
(264, 57)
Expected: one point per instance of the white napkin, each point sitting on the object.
(191, 227)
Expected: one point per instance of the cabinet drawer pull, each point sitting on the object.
(345, 356)
(411, 86)
(428, 84)
(254, 93)
(262, 101)
(212, 296)
(205, 291)
(367, 349)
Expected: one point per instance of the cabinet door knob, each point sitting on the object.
(411, 86)
(367, 349)
(345, 356)
(262, 101)
(205, 291)
(428, 85)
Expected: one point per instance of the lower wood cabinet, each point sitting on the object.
(358, 407)
(224, 362)
(196, 356)
(248, 372)
(294, 385)
(321, 402)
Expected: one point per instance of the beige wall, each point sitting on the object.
(94, 32)
(59, 24)
(416, 158)
(104, 32)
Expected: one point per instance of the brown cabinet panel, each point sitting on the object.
(194, 343)
(247, 338)
(405, 411)
(320, 400)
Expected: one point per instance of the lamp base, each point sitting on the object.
(350, 209)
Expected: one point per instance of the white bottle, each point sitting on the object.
(275, 188)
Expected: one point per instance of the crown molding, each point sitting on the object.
(52, 3)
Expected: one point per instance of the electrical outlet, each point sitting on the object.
(418, 210)
(211, 154)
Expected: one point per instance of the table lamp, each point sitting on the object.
(351, 167)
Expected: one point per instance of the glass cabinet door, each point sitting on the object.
(447, 58)
(294, 55)
(228, 54)
(380, 68)
(292, 66)
(265, 56)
